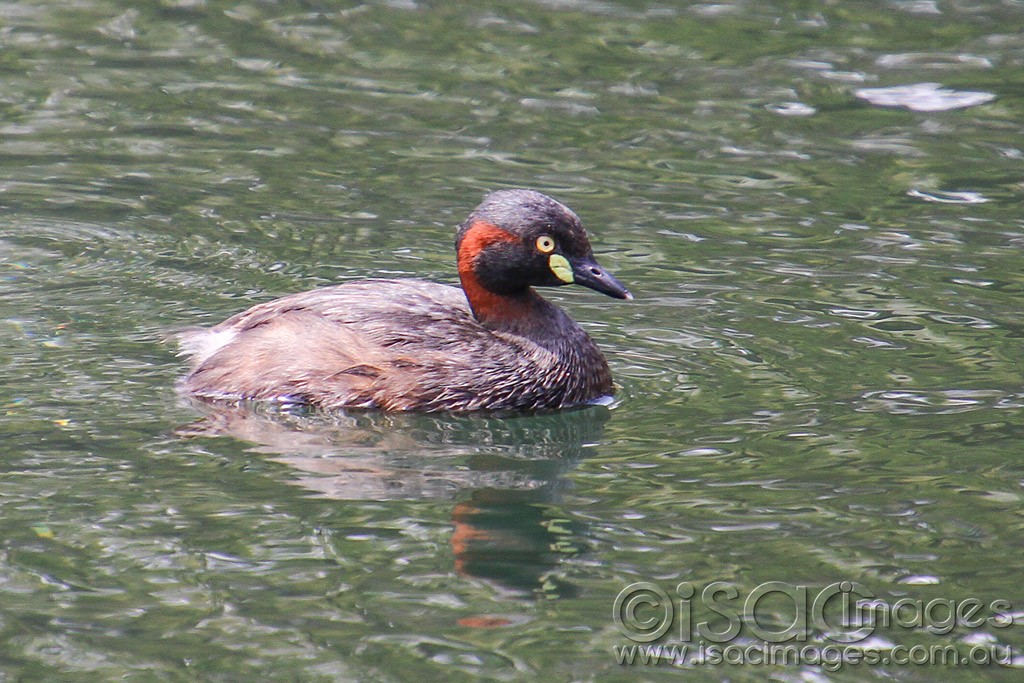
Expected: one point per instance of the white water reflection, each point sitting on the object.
(923, 97)
(940, 197)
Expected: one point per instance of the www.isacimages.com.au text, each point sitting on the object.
(829, 657)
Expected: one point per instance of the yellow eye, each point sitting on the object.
(545, 244)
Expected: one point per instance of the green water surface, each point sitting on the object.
(821, 376)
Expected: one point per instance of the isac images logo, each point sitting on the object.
(782, 623)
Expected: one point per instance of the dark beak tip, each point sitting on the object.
(589, 274)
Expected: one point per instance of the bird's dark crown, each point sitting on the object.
(528, 214)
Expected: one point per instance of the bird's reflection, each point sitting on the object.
(504, 475)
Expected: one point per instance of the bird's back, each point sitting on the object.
(395, 345)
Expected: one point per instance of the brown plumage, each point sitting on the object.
(415, 345)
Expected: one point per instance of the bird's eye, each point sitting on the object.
(545, 244)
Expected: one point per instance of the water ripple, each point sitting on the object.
(936, 402)
(925, 97)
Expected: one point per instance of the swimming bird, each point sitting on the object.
(414, 345)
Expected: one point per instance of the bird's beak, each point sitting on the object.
(586, 272)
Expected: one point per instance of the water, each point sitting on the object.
(820, 377)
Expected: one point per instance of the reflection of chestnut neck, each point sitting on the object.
(504, 536)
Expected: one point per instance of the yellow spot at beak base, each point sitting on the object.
(559, 265)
